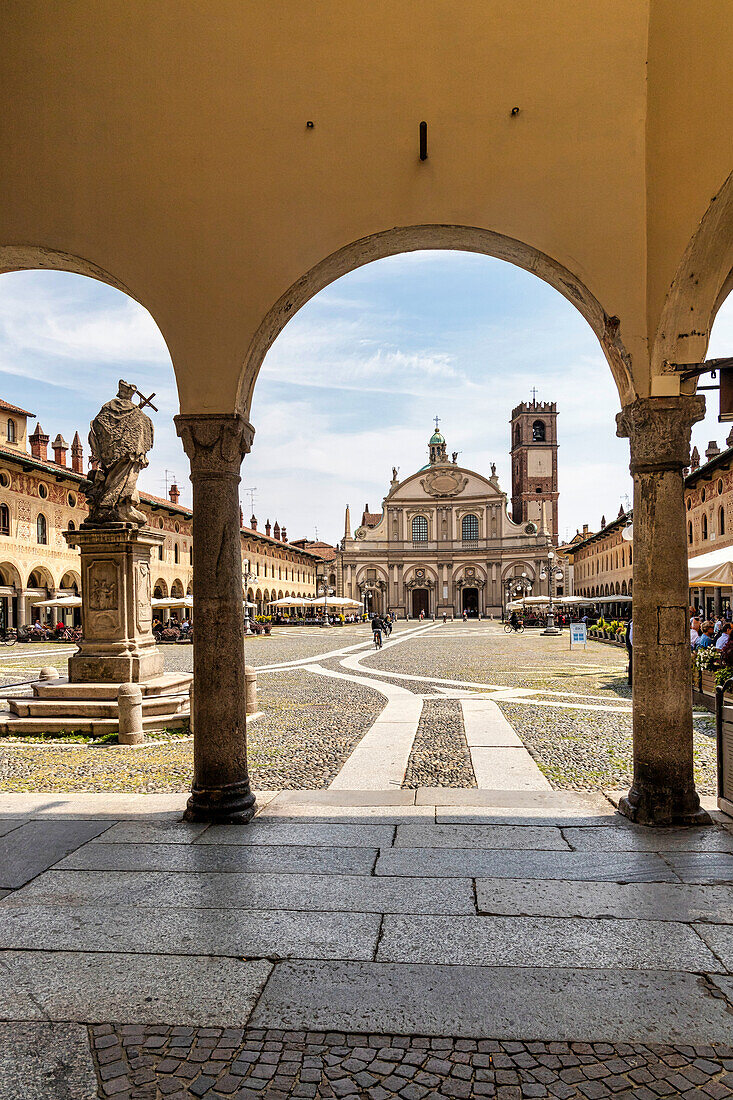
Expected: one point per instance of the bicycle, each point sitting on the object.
(8, 636)
(377, 639)
(509, 629)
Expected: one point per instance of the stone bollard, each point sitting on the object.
(48, 672)
(250, 679)
(130, 716)
(190, 707)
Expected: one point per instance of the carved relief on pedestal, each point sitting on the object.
(103, 588)
(143, 606)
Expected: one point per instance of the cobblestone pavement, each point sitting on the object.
(144, 1063)
(440, 756)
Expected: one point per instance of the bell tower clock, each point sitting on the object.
(534, 463)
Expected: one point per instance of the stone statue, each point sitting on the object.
(455, 457)
(120, 437)
(394, 473)
(493, 469)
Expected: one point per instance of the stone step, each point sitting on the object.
(93, 708)
(17, 726)
(62, 689)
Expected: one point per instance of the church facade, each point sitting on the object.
(446, 540)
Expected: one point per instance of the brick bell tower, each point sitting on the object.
(534, 463)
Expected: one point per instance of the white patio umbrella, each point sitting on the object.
(173, 601)
(289, 601)
(60, 601)
(713, 570)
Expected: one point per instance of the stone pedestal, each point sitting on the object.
(663, 790)
(118, 644)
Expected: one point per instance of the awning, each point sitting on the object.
(712, 570)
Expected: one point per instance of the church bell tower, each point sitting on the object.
(534, 463)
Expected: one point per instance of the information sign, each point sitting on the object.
(578, 634)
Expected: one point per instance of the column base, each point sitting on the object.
(661, 807)
(233, 804)
(552, 630)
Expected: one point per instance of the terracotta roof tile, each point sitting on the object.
(14, 408)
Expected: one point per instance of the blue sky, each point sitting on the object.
(352, 384)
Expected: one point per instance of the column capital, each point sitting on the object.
(215, 443)
(658, 429)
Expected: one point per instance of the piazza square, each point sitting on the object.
(366, 559)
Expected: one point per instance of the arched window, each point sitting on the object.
(41, 529)
(721, 521)
(72, 525)
(538, 431)
(689, 533)
(12, 437)
(469, 528)
(4, 519)
(175, 553)
(704, 527)
(419, 529)
(517, 434)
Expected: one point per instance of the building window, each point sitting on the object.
(12, 437)
(177, 526)
(702, 495)
(4, 519)
(704, 527)
(5, 479)
(721, 521)
(419, 529)
(689, 533)
(41, 530)
(72, 525)
(175, 553)
(538, 431)
(720, 487)
(469, 528)
(160, 552)
(71, 498)
(43, 491)
(689, 503)
(190, 555)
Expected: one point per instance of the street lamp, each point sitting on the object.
(516, 586)
(247, 577)
(325, 591)
(551, 574)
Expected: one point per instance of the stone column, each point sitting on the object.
(215, 445)
(663, 791)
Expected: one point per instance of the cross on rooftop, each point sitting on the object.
(437, 421)
(534, 395)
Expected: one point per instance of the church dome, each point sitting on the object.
(436, 438)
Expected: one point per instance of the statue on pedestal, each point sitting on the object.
(120, 437)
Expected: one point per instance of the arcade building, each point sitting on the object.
(446, 540)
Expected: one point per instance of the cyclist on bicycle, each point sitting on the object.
(514, 620)
(377, 628)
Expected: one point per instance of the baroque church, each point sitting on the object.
(447, 540)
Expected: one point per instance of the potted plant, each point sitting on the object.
(707, 662)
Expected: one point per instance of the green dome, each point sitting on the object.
(436, 438)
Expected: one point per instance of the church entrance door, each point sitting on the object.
(470, 601)
(420, 602)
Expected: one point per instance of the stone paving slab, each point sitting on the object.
(467, 863)
(307, 833)
(190, 931)
(154, 832)
(46, 1062)
(507, 769)
(36, 845)
(720, 939)
(635, 838)
(222, 858)
(93, 804)
(77, 986)
(504, 1002)
(480, 836)
(7, 824)
(347, 815)
(649, 901)
(310, 893)
(544, 941)
(537, 816)
(587, 802)
(344, 798)
(701, 866)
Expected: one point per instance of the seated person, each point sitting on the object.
(706, 638)
(724, 636)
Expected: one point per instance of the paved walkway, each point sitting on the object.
(447, 943)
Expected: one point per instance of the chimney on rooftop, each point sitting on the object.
(695, 459)
(585, 531)
(284, 535)
(60, 447)
(241, 516)
(77, 455)
(268, 528)
(39, 443)
(713, 450)
(174, 494)
(253, 522)
(276, 530)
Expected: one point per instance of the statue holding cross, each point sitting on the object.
(120, 437)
